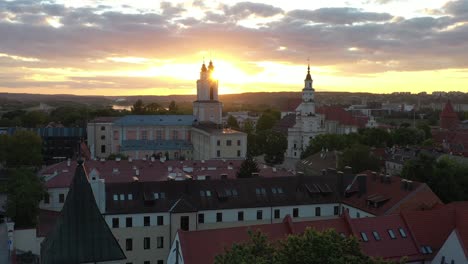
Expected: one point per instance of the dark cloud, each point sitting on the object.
(459, 7)
(339, 15)
(170, 10)
(245, 9)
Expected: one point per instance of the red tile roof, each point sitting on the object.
(124, 171)
(419, 197)
(448, 111)
(342, 116)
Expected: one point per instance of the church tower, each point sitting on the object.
(307, 106)
(207, 108)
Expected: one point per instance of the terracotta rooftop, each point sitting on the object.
(148, 171)
(342, 116)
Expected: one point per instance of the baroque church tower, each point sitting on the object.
(207, 108)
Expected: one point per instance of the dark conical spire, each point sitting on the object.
(203, 67)
(80, 235)
(308, 77)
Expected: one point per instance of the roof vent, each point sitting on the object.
(135, 179)
(255, 174)
(169, 168)
(68, 162)
(152, 159)
(102, 159)
(115, 170)
(144, 158)
(162, 159)
(202, 161)
(230, 167)
(137, 172)
(130, 159)
(274, 169)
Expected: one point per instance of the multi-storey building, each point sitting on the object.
(197, 136)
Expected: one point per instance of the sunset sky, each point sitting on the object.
(136, 47)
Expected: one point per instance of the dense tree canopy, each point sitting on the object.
(25, 190)
(359, 157)
(275, 146)
(248, 166)
(447, 178)
(309, 247)
(24, 148)
(232, 122)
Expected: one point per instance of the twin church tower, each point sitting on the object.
(207, 108)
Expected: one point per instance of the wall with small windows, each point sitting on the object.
(451, 250)
(54, 199)
(100, 139)
(356, 213)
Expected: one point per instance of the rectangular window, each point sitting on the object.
(103, 148)
(61, 198)
(116, 135)
(146, 243)
(146, 262)
(160, 220)
(218, 142)
(358, 215)
(160, 242)
(160, 261)
(129, 196)
(376, 235)
(238, 142)
(129, 244)
(103, 137)
(116, 197)
(144, 135)
(238, 153)
(128, 222)
(146, 221)
(184, 223)
(259, 214)
(295, 212)
(115, 223)
(228, 142)
(402, 232)
(317, 211)
(159, 134)
(103, 128)
(364, 237)
(240, 216)
(175, 134)
(218, 153)
(47, 198)
(219, 217)
(391, 234)
(336, 210)
(277, 213)
(201, 218)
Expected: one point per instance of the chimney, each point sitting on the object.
(137, 172)
(348, 170)
(130, 159)
(169, 168)
(374, 176)
(340, 183)
(102, 159)
(404, 184)
(115, 170)
(388, 178)
(68, 162)
(117, 159)
(324, 172)
(162, 159)
(152, 159)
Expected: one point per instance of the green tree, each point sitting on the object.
(359, 157)
(275, 146)
(25, 190)
(249, 126)
(247, 167)
(375, 137)
(267, 120)
(310, 247)
(423, 126)
(407, 136)
(24, 148)
(4, 141)
(232, 122)
(173, 108)
(138, 108)
(154, 108)
(34, 119)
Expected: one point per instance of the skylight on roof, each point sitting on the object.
(376, 236)
(402, 232)
(391, 234)
(364, 237)
(426, 250)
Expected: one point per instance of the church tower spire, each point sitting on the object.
(207, 107)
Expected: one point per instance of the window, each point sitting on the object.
(426, 250)
(129, 244)
(259, 214)
(336, 210)
(376, 235)
(144, 135)
(115, 223)
(122, 197)
(103, 128)
(160, 195)
(240, 216)
(159, 135)
(103, 137)
(238, 153)
(218, 142)
(218, 153)
(260, 191)
(391, 234)
(61, 198)
(128, 222)
(160, 261)
(219, 217)
(364, 237)
(103, 148)
(160, 242)
(277, 213)
(175, 134)
(47, 198)
(116, 197)
(295, 212)
(116, 135)
(402, 232)
(146, 262)
(146, 243)
(228, 142)
(358, 215)
(184, 223)
(160, 220)
(201, 218)
(238, 142)
(317, 211)
(130, 197)
(146, 221)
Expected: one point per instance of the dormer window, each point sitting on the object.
(160, 195)
(402, 232)
(130, 197)
(391, 234)
(364, 237)
(376, 236)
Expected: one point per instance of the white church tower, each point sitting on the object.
(308, 123)
(207, 108)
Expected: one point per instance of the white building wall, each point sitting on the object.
(451, 250)
(26, 240)
(356, 213)
(54, 202)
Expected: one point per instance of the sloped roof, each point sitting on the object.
(342, 116)
(448, 111)
(286, 122)
(81, 234)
